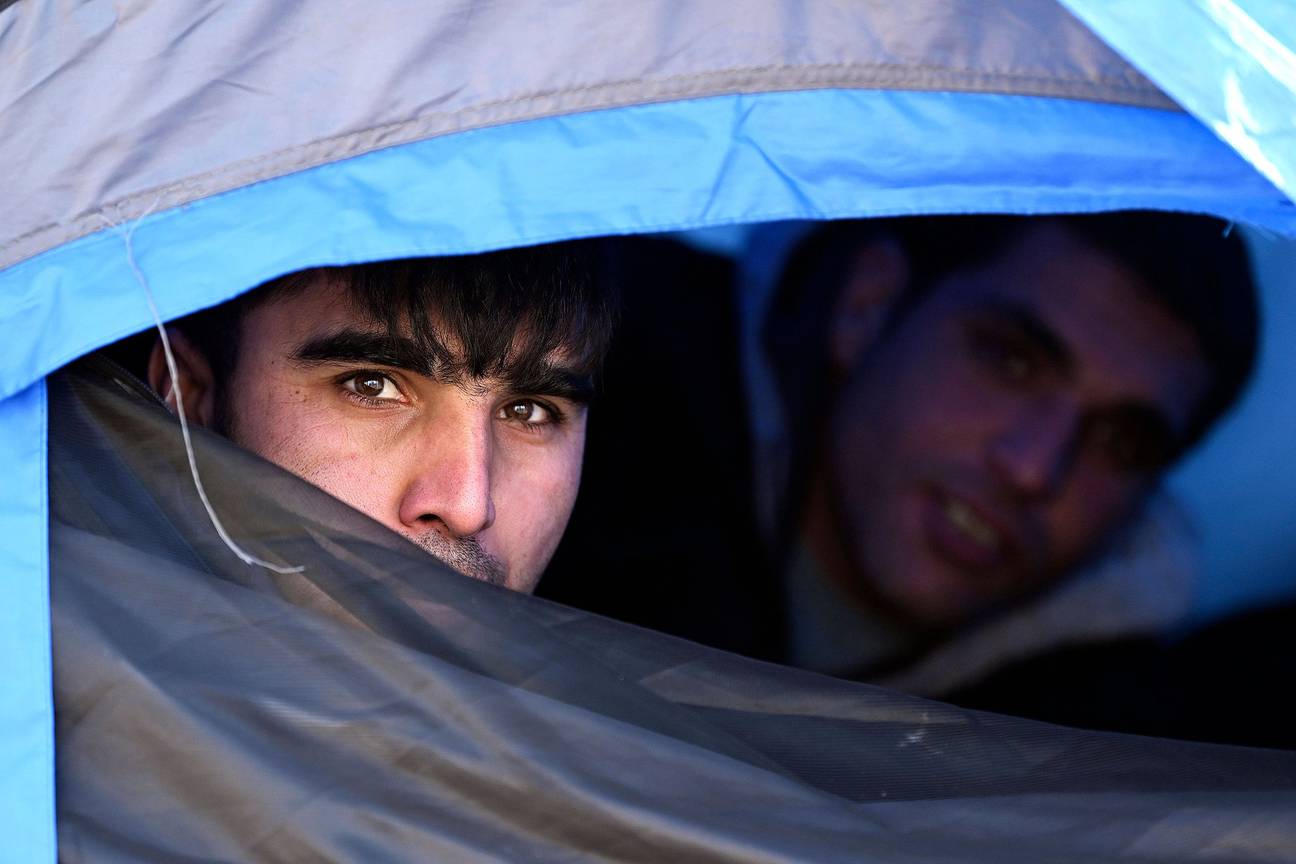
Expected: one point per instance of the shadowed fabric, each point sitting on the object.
(377, 707)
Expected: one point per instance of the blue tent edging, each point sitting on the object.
(27, 821)
(641, 168)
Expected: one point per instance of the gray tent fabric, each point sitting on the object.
(376, 707)
(208, 96)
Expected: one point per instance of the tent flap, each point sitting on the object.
(379, 707)
(1232, 63)
(26, 715)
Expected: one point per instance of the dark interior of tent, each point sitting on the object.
(667, 457)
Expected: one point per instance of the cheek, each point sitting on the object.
(315, 444)
(898, 418)
(1094, 504)
(294, 435)
(535, 495)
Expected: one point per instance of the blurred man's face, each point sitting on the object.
(480, 473)
(1005, 426)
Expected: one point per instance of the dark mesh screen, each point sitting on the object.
(377, 707)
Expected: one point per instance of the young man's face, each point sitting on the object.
(1006, 425)
(480, 474)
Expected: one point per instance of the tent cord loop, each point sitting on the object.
(127, 233)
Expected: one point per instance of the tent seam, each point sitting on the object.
(731, 82)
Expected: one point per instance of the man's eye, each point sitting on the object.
(527, 412)
(373, 386)
(1131, 443)
(1004, 356)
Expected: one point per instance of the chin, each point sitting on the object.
(523, 586)
(933, 599)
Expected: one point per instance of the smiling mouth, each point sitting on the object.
(965, 520)
(964, 536)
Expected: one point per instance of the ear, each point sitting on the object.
(194, 374)
(877, 276)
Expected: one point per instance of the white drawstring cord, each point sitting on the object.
(127, 234)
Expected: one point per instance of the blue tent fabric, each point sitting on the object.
(1232, 63)
(27, 724)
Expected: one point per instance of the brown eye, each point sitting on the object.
(526, 412)
(372, 385)
(1132, 440)
(1004, 356)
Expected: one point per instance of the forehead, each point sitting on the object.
(1123, 345)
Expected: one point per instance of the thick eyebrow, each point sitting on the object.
(547, 379)
(365, 348)
(369, 348)
(1024, 319)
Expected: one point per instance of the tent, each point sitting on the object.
(190, 151)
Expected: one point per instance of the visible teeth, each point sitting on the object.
(972, 525)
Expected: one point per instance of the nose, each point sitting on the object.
(1033, 455)
(449, 488)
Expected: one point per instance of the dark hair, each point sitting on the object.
(1193, 266)
(472, 315)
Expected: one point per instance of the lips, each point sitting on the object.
(974, 528)
(967, 534)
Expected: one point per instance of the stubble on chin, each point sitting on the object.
(465, 556)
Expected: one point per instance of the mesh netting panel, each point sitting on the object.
(377, 707)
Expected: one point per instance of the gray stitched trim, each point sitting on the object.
(1129, 90)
